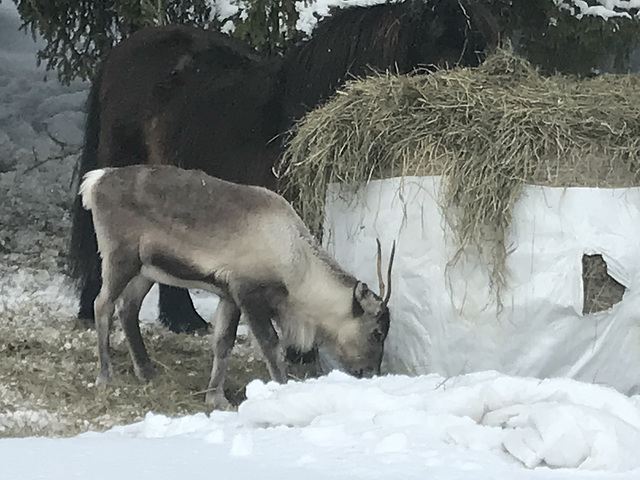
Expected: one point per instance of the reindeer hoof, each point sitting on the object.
(103, 378)
(217, 401)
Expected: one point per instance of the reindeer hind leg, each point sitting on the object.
(104, 308)
(117, 271)
(128, 310)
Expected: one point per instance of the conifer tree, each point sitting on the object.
(556, 36)
(80, 32)
(549, 32)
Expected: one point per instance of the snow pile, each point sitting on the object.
(30, 421)
(557, 422)
(406, 421)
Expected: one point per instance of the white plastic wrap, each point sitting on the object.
(444, 318)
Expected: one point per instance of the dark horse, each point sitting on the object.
(199, 99)
(183, 96)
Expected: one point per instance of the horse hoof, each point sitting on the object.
(189, 323)
(177, 312)
(85, 322)
(199, 327)
(145, 373)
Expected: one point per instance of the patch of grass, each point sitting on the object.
(48, 368)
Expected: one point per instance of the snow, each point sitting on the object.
(606, 8)
(310, 13)
(483, 425)
(487, 425)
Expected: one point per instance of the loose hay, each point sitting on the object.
(488, 131)
(47, 370)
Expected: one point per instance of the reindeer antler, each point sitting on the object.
(393, 254)
(380, 281)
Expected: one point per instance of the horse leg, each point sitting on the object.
(128, 310)
(89, 291)
(84, 261)
(225, 326)
(177, 312)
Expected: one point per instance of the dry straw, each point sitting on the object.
(487, 130)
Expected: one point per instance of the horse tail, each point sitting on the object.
(83, 258)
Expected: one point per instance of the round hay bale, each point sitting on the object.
(486, 130)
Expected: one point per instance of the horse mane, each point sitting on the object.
(399, 37)
(352, 42)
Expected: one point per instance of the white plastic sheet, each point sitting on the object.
(444, 317)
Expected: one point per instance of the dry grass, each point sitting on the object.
(48, 366)
(488, 131)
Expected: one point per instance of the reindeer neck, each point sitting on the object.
(324, 293)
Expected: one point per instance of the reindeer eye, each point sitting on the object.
(377, 335)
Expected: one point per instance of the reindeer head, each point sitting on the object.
(360, 342)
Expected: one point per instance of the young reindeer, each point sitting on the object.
(247, 245)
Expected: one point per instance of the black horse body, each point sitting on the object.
(398, 37)
(183, 96)
(200, 99)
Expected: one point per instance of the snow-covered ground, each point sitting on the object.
(482, 426)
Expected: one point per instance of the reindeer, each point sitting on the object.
(246, 244)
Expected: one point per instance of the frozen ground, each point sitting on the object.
(480, 426)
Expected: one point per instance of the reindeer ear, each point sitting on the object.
(364, 300)
(361, 291)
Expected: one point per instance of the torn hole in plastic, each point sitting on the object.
(600, 290)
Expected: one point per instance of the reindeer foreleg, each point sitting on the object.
(259, 305)
(225, 326)
(269, 342)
